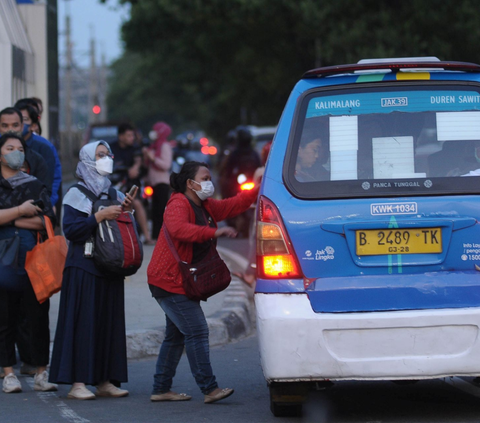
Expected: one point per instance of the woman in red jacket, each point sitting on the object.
(191, 218)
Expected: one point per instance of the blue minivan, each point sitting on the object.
(368, 234)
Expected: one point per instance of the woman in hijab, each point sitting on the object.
(158, 159)
(90, 342)
(20, 220)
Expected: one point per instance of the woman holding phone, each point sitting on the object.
(90, 342)
(20, 220)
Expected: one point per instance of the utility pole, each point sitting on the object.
(68, 88)
(94, 112)
(103, 88)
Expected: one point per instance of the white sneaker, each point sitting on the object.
(11, 384)
(107, 389)
(42, 383)
(81, 393)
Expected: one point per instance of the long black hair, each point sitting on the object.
(178, 181)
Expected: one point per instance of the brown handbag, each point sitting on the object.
(205, 278)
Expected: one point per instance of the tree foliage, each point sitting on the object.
(214, 63)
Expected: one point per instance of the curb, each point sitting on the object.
(235, 320)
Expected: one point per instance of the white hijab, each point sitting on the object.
(89, 177)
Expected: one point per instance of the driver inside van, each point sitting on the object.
(312, 155)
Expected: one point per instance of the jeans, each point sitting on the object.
(186, 327)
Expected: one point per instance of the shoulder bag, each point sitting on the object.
(205, 278)
(45, 262)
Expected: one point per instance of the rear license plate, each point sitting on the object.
(398, 241)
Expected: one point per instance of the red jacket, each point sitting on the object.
(163, 270)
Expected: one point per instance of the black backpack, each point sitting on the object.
(117, 246)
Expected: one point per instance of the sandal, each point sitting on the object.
(217, 395)
(170, 396)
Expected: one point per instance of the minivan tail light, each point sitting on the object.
(275, 256)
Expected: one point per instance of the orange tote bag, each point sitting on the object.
(45, 262)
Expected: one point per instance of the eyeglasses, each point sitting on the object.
(103, 155)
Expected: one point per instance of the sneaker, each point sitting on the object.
(28, 369)
(107, 389)
(81, 393)
(42, 383)
(11, 384)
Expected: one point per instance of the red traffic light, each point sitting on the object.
(96, 109)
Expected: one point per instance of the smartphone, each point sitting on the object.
(133, 190)
(39, 203)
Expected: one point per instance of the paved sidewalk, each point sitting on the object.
(229, 314)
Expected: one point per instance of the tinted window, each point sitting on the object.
(413, 140)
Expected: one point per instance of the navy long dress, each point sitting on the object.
(90, 342)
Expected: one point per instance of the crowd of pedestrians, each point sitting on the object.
(90, 342)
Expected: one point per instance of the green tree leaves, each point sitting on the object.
(212, 63)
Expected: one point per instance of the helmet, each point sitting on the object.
(244, 136)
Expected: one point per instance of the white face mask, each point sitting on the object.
(153, 135)
(104, 166)
(207, 189)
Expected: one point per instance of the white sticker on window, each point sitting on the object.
(343, 165)
(458, 126)
(392, 156)
(343, 133)
(343, 148)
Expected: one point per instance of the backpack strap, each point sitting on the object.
(89, 194)
(112, 193)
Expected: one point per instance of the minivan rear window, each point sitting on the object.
(416, 139)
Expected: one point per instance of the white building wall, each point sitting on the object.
(34, 17)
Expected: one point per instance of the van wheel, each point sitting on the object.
(286, 399)
(285, 410)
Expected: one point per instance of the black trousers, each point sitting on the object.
(160, 197)
(36, 339)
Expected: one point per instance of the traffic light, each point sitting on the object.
(96, 109)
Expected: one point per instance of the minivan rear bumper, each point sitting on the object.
(297, 344)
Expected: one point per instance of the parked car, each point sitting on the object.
(261, 135)
(368, 226)
(106, 131)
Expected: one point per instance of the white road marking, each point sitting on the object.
(65, 411)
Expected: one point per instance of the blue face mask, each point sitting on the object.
(26, 129)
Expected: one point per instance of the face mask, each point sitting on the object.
(153, 135)
(104, 166)
(207, 189)
(26, 129)
(15, 159)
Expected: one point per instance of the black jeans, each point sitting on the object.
(12, 306)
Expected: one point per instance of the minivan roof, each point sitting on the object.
(393, 65)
